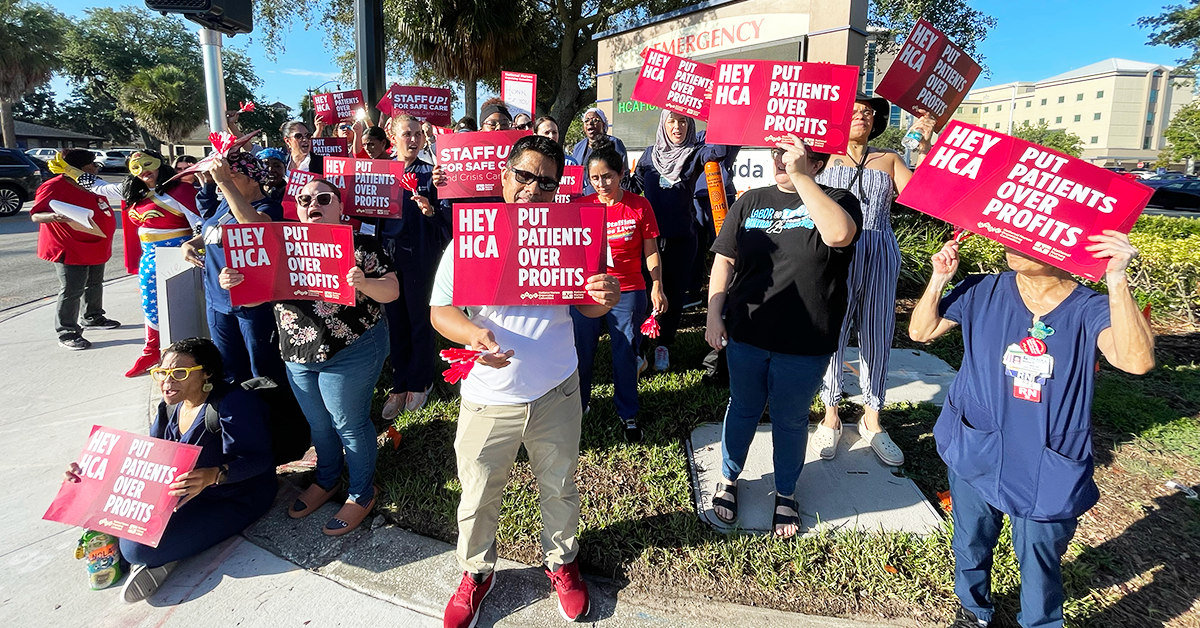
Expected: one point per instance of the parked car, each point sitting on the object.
(1142, 174)
(43, 167)
(1178, 195)
(1159, 180)
(45, 154)
(19, 180)
(110, 159)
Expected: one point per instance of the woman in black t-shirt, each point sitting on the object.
(779, 278)
(333, 355)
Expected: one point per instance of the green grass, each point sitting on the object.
(639, 524)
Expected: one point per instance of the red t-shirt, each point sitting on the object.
(64, 241)
(630, 223)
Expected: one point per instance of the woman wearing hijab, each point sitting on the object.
(875, 176)
(667, 174)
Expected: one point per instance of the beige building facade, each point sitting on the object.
(1119, 108)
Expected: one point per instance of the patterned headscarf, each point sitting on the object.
(248, 165)
(272, 153)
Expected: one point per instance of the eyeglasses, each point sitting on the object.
(322, 199)
(546, 184)
(344, 127)
(501, 124)
(524, 126)
(178, 374)
(863, 113)
(302, 136)
(777, 154)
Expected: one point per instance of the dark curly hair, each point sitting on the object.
(134, 189)
(204, 352)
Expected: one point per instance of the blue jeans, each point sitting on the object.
(624, 329)
(789, 382)
(248, 341)
(336, 398)
(1039, 545)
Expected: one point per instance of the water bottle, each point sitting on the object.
(912, 139)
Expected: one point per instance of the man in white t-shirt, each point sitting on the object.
(525, 389)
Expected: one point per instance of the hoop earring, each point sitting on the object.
(207, 387)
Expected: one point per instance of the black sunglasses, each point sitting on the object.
(322, 199)
(545, 184)
(301, 136)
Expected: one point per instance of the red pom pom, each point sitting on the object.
(650, 328)
(409, 182)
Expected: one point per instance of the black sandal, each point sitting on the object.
(784, 520)
(731, 506)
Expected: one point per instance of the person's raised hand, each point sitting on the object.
(925, 124)
(484, 340)
(230, 278)
(945, 261)
(439, 176)
(1116, 247)
(219, 170)
(604, 289)
(795, 155)
(423, 203)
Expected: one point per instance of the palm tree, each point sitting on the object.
(30, 38)
(462, 40)
(166, 101)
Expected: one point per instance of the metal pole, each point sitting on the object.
(1012, 104)
(368, 56)
(214, 78)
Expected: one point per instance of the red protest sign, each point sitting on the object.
(330, 147)
(123, 485)
(288, 261)
(757, 103)
(1024, 196)
(370, 187)
(527, 253)
(337, 106)
(426, 103)
(570, 186)
(675, 84)
(931, 73)
(518, 90)
(296, 181)
(473, 162)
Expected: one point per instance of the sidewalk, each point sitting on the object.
(382, 576)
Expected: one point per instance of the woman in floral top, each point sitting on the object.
(334, 354)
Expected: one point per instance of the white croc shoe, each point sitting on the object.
(825, 440)
(887, 449)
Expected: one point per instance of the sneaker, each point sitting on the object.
(102, 323)
(573, 601)
(143, 581)
(966, 619)
(662, 359)
(642, 364)
(416, 400)
(463, 609)
(394, 404)
(825, 440)
(633, 433)
(887, 450)
(74, 343)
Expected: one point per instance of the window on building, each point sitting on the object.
(1028, 104)
(1150, 117)
(869, 78)
(1057, 119)
(999, 107)
(1061, 99)
(1043, 102)
(997, 125)
(1095, 116)
(1077, 117)
(1153, 96)
(1041, 121)
(1095, 139)
(1100, 94)
(1079, 96)
(974, 109)
(1146, 143)
(985, 109)
(959, 110)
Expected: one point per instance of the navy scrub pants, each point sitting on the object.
(414, 354)
(249, 343)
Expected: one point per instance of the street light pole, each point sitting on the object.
(368, 44)
(214, 78)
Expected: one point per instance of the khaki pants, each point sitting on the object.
(486, 446)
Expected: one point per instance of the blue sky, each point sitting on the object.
(1033, 39)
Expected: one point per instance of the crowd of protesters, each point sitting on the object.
(784, 294)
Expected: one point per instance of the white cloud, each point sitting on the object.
(328, 76)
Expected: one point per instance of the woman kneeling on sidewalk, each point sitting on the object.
(233, 483)
(333, 355)
(1016, 428)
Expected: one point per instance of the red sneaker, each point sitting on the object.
(463, 609)
(573, 601)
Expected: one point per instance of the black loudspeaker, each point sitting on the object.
(226, 16)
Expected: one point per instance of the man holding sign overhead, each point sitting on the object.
(524, 390)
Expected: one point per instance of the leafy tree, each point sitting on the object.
(1178, 26)
(30, 38)
(39, 107)
(890, 139)
(967, 27)
(1058, 139)
(97, 115)
(1183, 135)
(165, 100)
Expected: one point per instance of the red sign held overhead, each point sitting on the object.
(758, 103)
(290, 261)
(123, 485)
(337, 106)
(296, 181)
(527, 254)
(1039, 202)
(371, 188)
(330, 147)
(425, 103)
(931, 73)
(473, 162)
(675, 84)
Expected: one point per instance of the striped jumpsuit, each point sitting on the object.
(871, 298)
